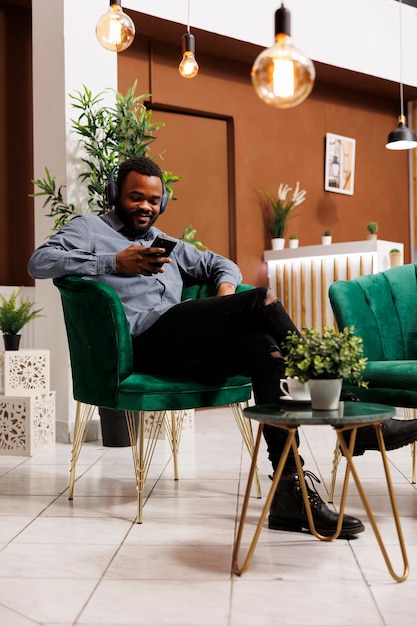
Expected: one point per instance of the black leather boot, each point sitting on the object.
(288, 512)
(396, 432)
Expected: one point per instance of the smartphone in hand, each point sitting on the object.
(167, 244)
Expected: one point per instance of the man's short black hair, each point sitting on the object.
(142, 165)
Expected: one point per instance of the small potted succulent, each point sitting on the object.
(293, 241)
(14, 315)
(372, 229)
(324, 360)
(326, 238)
(394, 257)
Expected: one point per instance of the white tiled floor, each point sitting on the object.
(87, 563)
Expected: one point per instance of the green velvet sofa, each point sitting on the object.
(383, 309)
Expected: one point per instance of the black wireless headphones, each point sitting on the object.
(112, 192)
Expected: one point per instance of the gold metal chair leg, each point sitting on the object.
(337, 455)
(412, 414)
(83, 416)
(245, 427)
(414, 456)
(350, 466)
(142, 453)
(413, 463)
(173, 429)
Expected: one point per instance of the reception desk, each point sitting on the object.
(300, 277)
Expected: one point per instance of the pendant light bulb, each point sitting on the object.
(282, 76)
(115, 30)
(188, 68)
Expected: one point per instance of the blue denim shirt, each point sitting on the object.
(87, 246)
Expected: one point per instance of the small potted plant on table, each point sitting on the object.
(293, 241)
(14, 316)
(394, 257)
(324, 361)
(372, 229)
(326, 238)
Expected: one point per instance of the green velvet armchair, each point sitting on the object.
(101, 359)
(383, 309)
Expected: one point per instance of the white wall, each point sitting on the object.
(66, 55)
(360, 35)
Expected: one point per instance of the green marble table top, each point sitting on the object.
(297, 413)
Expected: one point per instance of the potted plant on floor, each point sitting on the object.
(14, 315)
(324, 360)
(107, 135)
(277, 209)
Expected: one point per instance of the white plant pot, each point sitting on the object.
(278, 243)
(326, 240)
(371, 236)
(325, 393)
(293, 243)
(394, 259)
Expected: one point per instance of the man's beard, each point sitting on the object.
(128, 221)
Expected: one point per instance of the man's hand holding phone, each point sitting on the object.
(145, 260)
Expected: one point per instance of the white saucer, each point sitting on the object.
(291, 399)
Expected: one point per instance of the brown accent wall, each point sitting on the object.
(16, 143)
(270, 145)
(223, 140)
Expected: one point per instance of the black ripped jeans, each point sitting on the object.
(223, 336)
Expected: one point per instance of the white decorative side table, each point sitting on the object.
(27, 405)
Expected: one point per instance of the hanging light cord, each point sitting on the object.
(401, 62)
(188, 17)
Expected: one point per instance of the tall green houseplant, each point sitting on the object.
(107, 136)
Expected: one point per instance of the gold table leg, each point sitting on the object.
(348, 452)
(350, 466)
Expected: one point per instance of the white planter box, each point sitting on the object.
(24, 371)
(27, 424)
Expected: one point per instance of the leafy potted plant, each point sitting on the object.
(293, 241)
(107, 136)
(14, 315)
(277, 210)
(394, 257)
(372, 229)
(189, 236)
(326, 238)
(324, 361)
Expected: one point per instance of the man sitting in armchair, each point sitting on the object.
(231, 334)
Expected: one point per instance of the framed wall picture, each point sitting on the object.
(339, 173)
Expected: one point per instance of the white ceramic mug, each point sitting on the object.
(294, 388)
